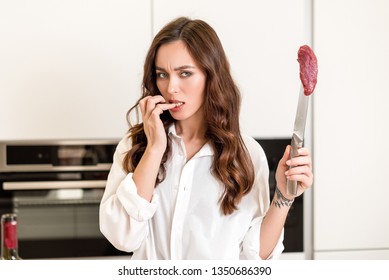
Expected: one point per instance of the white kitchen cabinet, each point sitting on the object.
(261, 39)
(352, 255)
(351, 102)
(70, 69)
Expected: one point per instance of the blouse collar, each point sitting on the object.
(206, 150)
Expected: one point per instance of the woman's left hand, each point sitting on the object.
(298, 169)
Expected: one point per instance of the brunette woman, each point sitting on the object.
(185, 183)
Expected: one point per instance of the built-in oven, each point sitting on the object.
(55, 188)
(294, 225)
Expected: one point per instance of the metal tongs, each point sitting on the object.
(298, 135)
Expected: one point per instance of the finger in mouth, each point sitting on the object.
(178, 104)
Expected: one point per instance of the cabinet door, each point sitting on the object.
(70, 69)
(351, 127)
(261, 39)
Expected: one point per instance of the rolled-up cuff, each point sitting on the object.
(251, 243)
(136, 206)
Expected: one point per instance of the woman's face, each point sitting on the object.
(180, 81)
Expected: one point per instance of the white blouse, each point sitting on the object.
(183, 219)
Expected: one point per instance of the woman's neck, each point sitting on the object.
(193, 136)
(191, 130)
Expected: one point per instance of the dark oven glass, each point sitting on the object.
(55, 188)
(58, 223)
(293, 235)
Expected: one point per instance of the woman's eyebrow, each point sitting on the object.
(177, 68)
(184, 67)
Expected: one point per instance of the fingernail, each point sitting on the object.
(288, 162)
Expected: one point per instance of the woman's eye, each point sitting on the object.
(185, 74)
(161, 75)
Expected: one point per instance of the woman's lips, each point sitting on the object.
(178, 104)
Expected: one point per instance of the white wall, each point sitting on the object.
(261, 39)
(351, 131)
(70, 69)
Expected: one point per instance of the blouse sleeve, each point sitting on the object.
(251, 242)
(123, 213)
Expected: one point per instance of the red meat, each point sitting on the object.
(308, 69)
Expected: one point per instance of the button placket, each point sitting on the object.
(180, 210)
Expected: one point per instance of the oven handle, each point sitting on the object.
(45, 185)
(50, 167)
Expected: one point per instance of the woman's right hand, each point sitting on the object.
(151, 108)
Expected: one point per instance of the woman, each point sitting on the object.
(185, 184)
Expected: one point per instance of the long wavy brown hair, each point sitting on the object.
(232, 165)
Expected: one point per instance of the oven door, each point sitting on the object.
(60, 224)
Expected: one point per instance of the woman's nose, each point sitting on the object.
(173, 86)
